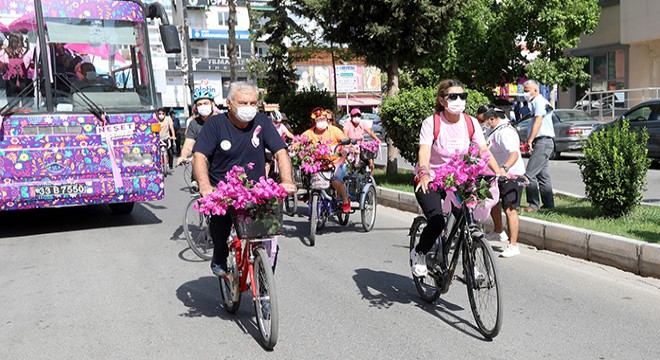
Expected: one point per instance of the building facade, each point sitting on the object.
(623, 51)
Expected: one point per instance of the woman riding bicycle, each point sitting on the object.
(333, 135)
(443, 134)
(356, 128)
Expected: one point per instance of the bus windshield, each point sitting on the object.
(88, 54)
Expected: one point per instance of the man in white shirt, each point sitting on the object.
(504, 144)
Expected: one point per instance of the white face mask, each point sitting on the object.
(528, 96)
(322, 125)
(356, 120)
(246, 113)
(455, 106)
(161, 116)
(204, 110)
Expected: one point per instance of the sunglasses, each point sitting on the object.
(454, 96)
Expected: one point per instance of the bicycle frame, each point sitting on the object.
(462, 224)
(245, 262)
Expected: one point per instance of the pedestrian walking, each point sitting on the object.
(541, 143)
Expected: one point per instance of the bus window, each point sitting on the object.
(91, 57)
(19, 84)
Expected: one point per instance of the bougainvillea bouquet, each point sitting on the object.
(460, 176)
(308, 155)
(254, 205)
(369, 149)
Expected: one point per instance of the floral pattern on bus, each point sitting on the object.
(40, 170)
(82, 9)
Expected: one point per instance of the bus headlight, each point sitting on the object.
(147, 159)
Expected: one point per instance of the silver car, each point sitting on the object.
(571, 127)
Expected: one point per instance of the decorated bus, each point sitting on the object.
(77, 103)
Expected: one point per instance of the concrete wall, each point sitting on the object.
(639, 21)
(607, 31)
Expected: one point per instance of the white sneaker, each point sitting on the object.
(511, 250)
(418, 263)
(494, 236)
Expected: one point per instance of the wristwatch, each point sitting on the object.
(506, 168)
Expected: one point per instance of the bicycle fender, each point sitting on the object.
(363, 195)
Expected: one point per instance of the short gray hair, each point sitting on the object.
(532, 83)
(243, 87)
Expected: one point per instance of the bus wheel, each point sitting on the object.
(121, 208)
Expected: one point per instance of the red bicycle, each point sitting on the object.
(249, 267)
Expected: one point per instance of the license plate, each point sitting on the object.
(59, 190)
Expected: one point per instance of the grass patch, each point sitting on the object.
(402, 181)
(642, 224)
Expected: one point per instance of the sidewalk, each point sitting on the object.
(631, 255)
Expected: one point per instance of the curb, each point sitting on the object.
(638, 257)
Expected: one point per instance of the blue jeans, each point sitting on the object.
(538, 174)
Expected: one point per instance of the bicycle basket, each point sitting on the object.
(321, 180)
(367, 155)
(256, 222)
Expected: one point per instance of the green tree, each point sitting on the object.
(281, 76)
(388, 34)
(298, 107)
(483, 46)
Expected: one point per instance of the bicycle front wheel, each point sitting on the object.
(426, 286)
(187, 174)
(196, 231)
(481, 278)
(313, 218)
(291, 205)
(265, 304)
(368, 210)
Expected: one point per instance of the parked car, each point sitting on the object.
(372, 121)
(643, 116)
(571, 127)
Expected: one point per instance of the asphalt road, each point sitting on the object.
(80, 283)
(566, 176)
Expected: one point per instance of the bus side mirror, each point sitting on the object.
(170, 37)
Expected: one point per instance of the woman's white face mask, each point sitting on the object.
(455, 106)
(161, 117)
(322, 125)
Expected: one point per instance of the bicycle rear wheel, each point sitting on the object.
(196, 231)
(426, 286)
(368, 209)
(265, 304)
(481, 278)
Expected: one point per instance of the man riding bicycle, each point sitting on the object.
(237, 138)
(203, 104)
(322, 131)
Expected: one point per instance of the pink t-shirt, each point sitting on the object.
(354, 132)
(281, 129)
(451, 138)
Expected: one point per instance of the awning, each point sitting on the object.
(358, 101)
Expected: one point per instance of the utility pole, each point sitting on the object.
(180, 16)
(232, 40)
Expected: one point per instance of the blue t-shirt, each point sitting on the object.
(538, 108)
(225, 145)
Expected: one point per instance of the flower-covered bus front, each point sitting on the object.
(77, 105)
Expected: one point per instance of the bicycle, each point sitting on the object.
(323, 203)
(249, 267)
(361, 188)
(187, 176)
(196, 230)
(164, 157)
(462, 236)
